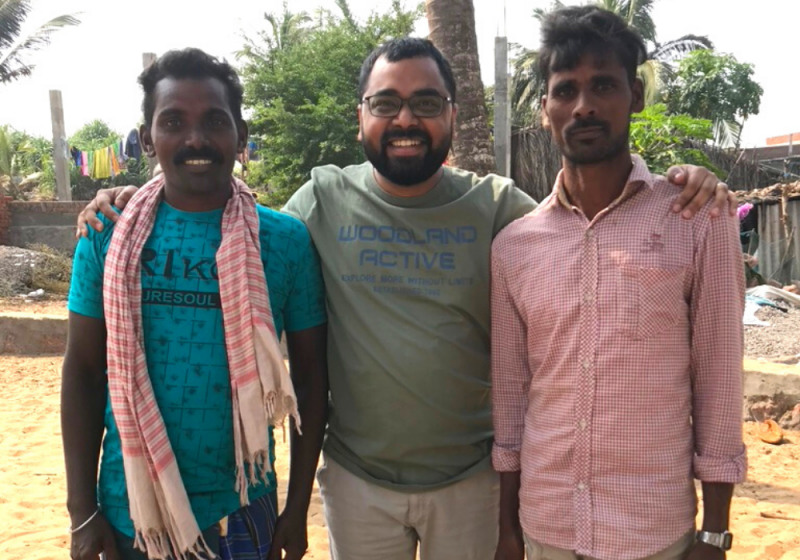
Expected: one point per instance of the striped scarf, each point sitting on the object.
(261, 388)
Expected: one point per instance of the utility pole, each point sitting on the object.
(502, 115)
(60, 149)
(147, 60)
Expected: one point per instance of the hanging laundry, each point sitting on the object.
(102, 164)
(84, 164)
(75, 154)
(115, 169)
(133, 148)
(119, 152)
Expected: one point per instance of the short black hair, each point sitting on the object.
(190, 64)
(403, 49)
(570, 33)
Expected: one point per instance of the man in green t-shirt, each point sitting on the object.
(404, 244)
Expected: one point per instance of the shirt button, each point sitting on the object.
(581, 486)
(582, 424)
(586, 364)
(588, 297)
(589, 233)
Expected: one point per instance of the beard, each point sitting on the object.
(602, 149)
(407, 171)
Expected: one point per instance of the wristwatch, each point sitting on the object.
(722, 540)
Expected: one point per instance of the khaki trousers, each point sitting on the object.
(369, 522)
(537, 551)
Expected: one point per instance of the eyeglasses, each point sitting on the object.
(424, 106)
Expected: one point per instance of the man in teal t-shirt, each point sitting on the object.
(193, 124)
(404, 244)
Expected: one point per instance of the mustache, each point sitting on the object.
(413, 134)
(204, 153)
(587, 123)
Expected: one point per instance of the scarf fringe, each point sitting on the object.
(254, 470)
(158, 545)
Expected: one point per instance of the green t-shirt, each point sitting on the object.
(407, 286)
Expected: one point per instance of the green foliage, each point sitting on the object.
(94, 136)
(23, 156)
(665, 140)
(716, 87)
(302, 90)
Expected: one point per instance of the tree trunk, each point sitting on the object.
(452, 30)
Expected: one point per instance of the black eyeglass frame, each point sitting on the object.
(365, 100)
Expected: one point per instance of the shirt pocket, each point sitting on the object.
(651, 300)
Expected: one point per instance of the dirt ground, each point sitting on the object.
(32, 485)
(47, 306)
(779, 340)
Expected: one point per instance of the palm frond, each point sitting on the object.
(656, 76)
(640, 17)
(678, 48)
(541, 13)
(12, 17)
(12, 65)
(527, 87)
(344, 7)
(727, 134)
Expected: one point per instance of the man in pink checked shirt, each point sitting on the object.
(616, 334)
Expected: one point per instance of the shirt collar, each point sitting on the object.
(639, 178)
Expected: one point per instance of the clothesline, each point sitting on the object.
(109, 161)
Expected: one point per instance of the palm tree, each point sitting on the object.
(286, 29)
(14, 47)
(656, 72)
(452, 30)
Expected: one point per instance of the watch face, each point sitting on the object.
(727, 541)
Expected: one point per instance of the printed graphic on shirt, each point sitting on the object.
(185, 348)
(403, 260)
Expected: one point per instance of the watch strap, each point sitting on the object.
(723, 540)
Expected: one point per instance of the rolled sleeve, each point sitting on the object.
(510, 374)
(717, 347)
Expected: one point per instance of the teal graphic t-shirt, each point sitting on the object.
(185, 344)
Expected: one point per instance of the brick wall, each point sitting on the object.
(5, 218)
(785, 139)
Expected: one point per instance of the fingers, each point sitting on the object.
(733, 203)
(707, 190)
(110, 547)
(677, 175)
(275, 550)
(721, 199)
(692, 184)
(104, 204)
(123, 197)
(292, 554)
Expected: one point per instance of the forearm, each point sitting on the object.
(716, 506)
(509, 503)
(308, 359)
(83, 403)
(313, 408)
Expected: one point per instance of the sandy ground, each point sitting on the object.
(32, 483)
(54, 306)
(32, 486)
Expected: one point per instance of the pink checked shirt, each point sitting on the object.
(617, 367)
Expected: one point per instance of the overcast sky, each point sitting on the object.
(95, 65)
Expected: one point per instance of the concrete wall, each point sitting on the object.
(48, 223)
